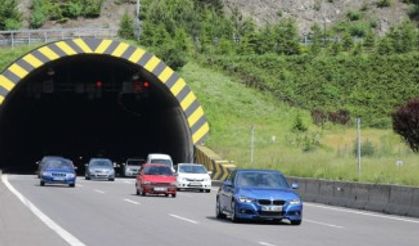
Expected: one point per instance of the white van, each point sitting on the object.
(161, 159)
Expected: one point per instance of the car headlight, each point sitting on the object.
(246, 199)
(70, 175)
(173, 183)
(46, 174)
(184, 179)
(207, 180)
(295, 202)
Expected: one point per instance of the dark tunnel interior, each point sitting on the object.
(89, 106)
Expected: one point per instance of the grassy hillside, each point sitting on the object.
(327, 152)
(370, 86)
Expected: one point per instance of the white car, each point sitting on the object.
(160, 159)
(193, 176)
(132, 166)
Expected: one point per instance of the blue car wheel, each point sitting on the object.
(218, 212)
(296, 222)
(234, 217)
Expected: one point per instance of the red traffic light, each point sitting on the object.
(99, 84)
(146, 84)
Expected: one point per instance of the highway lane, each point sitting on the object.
(109, 213)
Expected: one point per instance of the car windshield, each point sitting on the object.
(58, 164)
(157, 170)
(134, 163)
(101, 163)
(162, 161)
(261, 180)
(192, 169)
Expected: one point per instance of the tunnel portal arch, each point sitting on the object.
(91, 49)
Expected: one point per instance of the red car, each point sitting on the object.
(156, 179)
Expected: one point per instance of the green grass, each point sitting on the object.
(232, 109)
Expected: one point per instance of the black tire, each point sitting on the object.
(296, 222)
(72, 185)
(208, 190)
(87, 178)
(234, 218)
(112, 179)
(137, 192)
(218, 213)
(173, 195)
(42, 183)
(142, 193)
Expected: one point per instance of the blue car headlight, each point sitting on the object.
(243, 199)
(295, 202)
(71, 176)
(47, 174)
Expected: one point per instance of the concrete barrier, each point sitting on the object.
(400, 200)
(392, 199)
(414, 206)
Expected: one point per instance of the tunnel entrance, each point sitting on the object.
(90, 105)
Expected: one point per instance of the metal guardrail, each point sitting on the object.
(27, 37)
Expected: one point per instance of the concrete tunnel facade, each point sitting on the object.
(83, 98)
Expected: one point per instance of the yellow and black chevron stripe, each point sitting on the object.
(220, 168)
(57, 50)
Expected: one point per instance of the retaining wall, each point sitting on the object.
(391, 199)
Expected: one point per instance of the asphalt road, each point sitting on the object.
(109, 213)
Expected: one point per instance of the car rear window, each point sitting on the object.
(157, 170)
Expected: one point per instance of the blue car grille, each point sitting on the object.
(58, 174)
(271, 202)
(264, 213)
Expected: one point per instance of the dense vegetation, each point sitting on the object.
(61, 11)
(10, 17)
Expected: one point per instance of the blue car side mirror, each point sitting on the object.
(294, 186)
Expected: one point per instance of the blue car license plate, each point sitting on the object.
(272, 208)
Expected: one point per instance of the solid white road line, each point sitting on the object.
(345, 210)
(131, 201)
(266, 244)
(184, 219)
(323, 224)
(70, 239)
(99, 191)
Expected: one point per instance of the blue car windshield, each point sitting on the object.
(192, 169)
(268, 180)
(58, 164)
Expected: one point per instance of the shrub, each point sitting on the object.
(367, 148)
(383, 3)
(353, 15)
(406, 123)
(298, 125)
(126, 27)
(10, 17)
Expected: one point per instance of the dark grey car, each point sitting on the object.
(100, 168)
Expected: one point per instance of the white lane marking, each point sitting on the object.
(323, 224)
(389, 217)
(184, 219)
(131, 201)
(266, 244)
(216, 189)
(99, 191)
(70, 239)
(127, 182)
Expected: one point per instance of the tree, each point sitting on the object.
(286, 37)
(10, 17)
(347, 42)
(126, 27)
(406, 123)
(316, 36)
(369, 41)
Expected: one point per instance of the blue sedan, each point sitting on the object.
(258, 195)
(58, 171)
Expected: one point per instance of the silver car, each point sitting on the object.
(100, 168)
